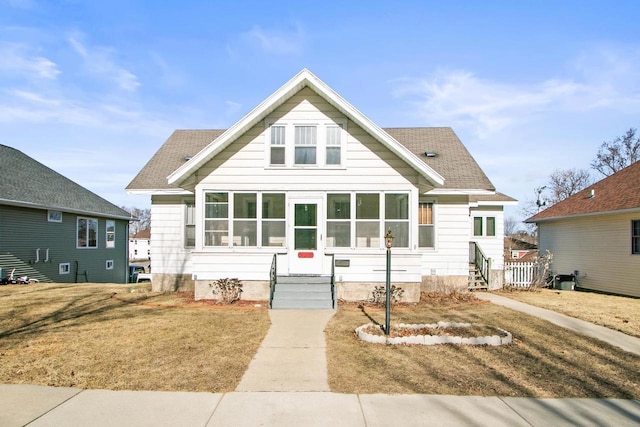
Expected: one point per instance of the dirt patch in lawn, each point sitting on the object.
(124, 337)
(542, 361)
(611, 311)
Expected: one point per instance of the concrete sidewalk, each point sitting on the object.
(615, 338)
(48, 406)
(292, 357)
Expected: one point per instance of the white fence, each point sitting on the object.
(519, 274)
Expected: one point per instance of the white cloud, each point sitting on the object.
(278, 42)
(485, 107)
(19, 59)
(99, 61)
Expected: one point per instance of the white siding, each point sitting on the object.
(599, 247)
(168, 254)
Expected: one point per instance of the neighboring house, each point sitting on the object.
(307, 184)
(519, 248)
(595, 234)
(140, 245)
(54, 230)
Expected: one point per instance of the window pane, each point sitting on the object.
(216, 205)
(426, 236)
(339, 234)
(333, 155)
(491, 226)
(82, 233)
(477, 226)
(93, 233)
(400, 231)
(216, 233)
(635, 238)
(216, 198)
(277, 135)
(245, 233)
(273, 205)
(305, 238)
(338, 206)
(396, 206)
(273, 233)
(305, 155)
(305, 135)
(277, 156)
(305, 215)
(190, 235)
(368, 234)
(244, 205)
(425, 213)
(367, 206)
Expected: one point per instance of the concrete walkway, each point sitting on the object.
(292, 357)
(615, 338)
(286, 385)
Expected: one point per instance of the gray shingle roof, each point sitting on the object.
(27, 182)
(453, 161)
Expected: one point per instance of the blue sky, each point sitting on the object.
(92, 89)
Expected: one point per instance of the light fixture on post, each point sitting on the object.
(388, 242)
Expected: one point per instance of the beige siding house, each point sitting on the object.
(306, 185)
(595, 234)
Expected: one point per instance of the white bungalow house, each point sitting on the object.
(304, 188)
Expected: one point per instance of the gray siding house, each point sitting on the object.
(55, 230)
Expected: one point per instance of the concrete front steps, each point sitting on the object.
(303, 293)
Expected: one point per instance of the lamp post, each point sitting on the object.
(388, 241)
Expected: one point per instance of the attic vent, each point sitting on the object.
(430, 153)
(187, 158)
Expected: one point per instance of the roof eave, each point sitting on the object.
(582, 215)
(23, 204)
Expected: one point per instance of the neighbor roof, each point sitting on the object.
(452, 160)
(618, 192)
(28, 183)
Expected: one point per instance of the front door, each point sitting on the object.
(306, 236)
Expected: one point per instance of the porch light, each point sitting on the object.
(388, 241)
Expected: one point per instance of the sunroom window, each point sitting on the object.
(339, 220)
(245, 224)
(368, 220)
(216, 219)
(426, 235)
(273, 219)
(396, 213)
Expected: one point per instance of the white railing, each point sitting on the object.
(519, 274)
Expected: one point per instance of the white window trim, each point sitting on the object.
(64, 268)
(54, 216)
(321, 143)
(107, 243)
(97, 233)
(434, 213)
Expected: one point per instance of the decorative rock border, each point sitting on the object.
(494, 340)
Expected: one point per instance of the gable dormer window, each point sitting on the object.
(277, 154)
(301, 145)
(306, 143)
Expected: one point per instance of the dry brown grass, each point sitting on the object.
(615, 312)
(543, 361)
(81, 336)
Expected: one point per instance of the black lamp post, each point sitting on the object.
(388, 241)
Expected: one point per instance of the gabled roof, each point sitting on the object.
(303, 79)
(452, 160)
(615, 193)
(28, 183)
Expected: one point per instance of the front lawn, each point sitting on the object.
(543, 361)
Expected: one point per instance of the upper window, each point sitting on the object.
(54, 216)
(334, 145)
(426, 234)
(305, 145)
(110, 238)
(277, 151)
(87, 233)
(635, 236)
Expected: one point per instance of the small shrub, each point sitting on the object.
(227, 290)
(379, 294)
